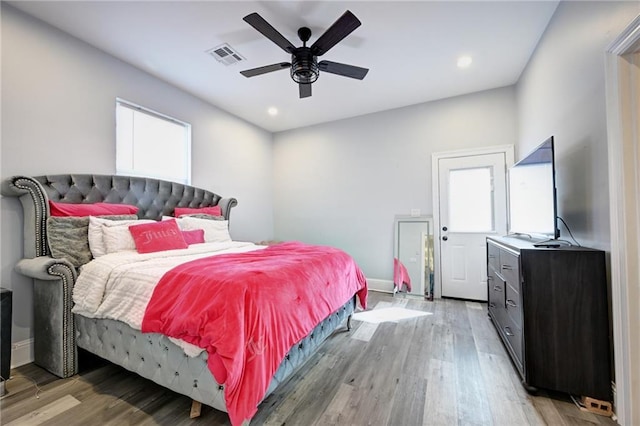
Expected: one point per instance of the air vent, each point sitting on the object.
(226, 54)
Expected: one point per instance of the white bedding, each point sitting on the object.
(119, 285)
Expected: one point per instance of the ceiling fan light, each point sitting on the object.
(304, 68)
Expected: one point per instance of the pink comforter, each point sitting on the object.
(248, 309)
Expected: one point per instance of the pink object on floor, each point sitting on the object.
(400, 275)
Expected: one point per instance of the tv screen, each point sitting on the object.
(532, 194)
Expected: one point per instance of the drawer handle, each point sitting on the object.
(507, 267)
(497, 288)
(508, 332)
(492, 305)
(489, 279)
(511, 303)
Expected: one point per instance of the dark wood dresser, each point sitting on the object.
(550, 308)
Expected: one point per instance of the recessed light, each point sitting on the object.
(464, 61)
(273, 111)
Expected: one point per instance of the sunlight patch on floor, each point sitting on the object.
(392, 314)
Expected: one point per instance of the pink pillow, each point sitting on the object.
(194, 236)
(157, 236)
(95, 209)
(214, 211)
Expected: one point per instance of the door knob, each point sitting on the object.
(445, 238)
(444, 228)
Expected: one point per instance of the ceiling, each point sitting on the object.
(411, 49)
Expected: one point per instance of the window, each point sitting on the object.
(471, 200)
(151, 144)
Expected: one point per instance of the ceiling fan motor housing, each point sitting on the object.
(304, 66)
(304, 60)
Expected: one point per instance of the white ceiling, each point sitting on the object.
(411, 49)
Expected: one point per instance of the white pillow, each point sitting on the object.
(215, 231)
(117, 240)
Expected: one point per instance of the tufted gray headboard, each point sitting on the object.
(153, 197)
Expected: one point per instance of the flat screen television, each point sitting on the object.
(533, 205)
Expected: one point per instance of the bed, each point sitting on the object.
(175, 361)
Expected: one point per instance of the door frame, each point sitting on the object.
(622, 93)
(507, 150)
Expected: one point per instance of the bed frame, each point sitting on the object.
(58, 333)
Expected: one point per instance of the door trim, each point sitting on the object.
(622, 93)
(508, 152)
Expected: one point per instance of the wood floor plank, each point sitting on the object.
(442, 343)
(37, 417)
(365, 331)
(100, 406)
(549, 412)
(484, 332)
(473, 407)
(322, 380)
(374, 393)
(456, 317)
(510, 375)
(21, 403)
(296, 397)
(420, 305)
(421, 349)
(333, 415)
(408, 401)
(441, 404)
(505, 405)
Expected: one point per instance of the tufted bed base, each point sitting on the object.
(154, 357)
(58, 333)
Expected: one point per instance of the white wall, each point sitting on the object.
(341, 183)
(562, 93)
(58, 116)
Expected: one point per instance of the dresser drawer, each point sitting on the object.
(493, 256)
(513, 335)
(496, 291)
(509, 268)
(513, 305)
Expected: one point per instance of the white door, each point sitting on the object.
(473, 204)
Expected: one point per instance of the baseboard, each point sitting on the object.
(21, 353)
(385, 286)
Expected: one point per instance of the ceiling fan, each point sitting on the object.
(304, 64)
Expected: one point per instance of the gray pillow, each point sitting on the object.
(204, 216)
(68, 237)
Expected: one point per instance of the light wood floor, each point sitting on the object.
(445, 368)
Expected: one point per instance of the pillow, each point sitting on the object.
(95, 209)
(204, 216)
(157, 236)
(215, 231)
(117, 239)
(68, 237)
(100, 231)
(195, 236)
(214, 211)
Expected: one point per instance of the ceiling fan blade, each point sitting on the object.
(263, 70)
(343, 69)
(336, 32)
(305, 90)
(265, 28)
